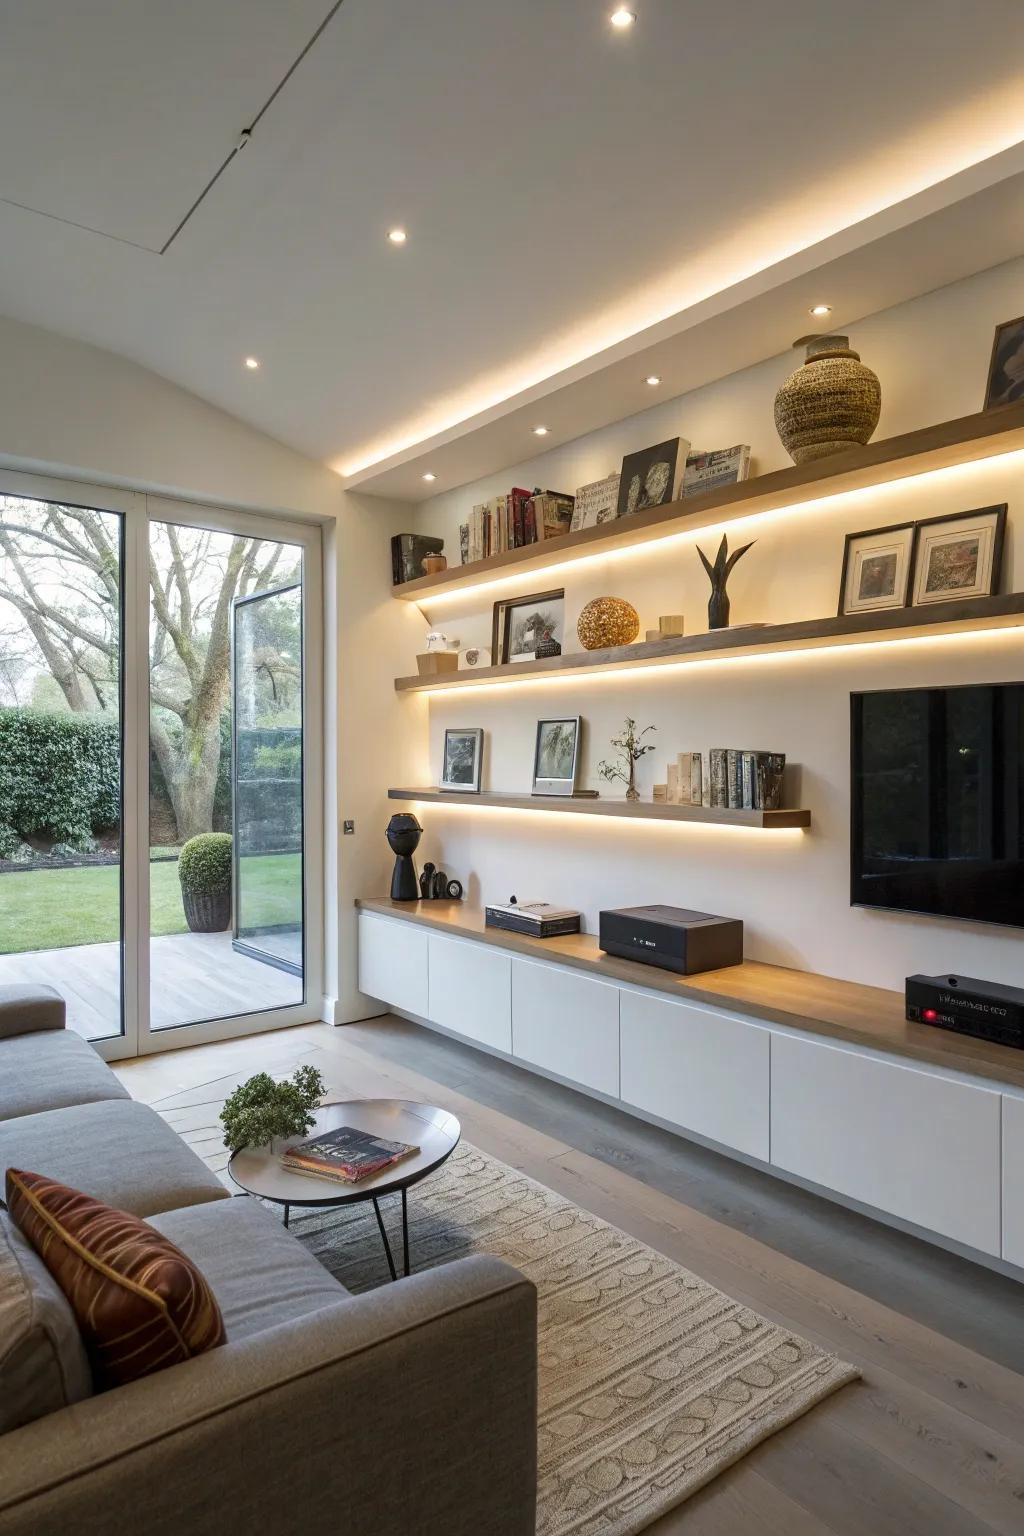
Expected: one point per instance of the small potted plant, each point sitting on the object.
(260, 1110)
(204, 869)
(631, 747)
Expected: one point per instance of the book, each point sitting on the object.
(553, 514)
(407, 551)
(595, 503)
(346, 1155)
(672, 784)
(659, 794)
(748, 793)
(709, 471)
(538, 918)
(719, 777)
(696, 779)
(683, 762)
(734, 791)
(464, 543)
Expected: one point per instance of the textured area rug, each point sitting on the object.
(651, 1381)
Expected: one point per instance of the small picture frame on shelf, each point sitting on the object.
(463, 758)
(521, 624)
(1005, 384)
(959, 556)
(556, 755)
(877, 566)
(648, 478)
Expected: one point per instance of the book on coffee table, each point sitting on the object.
(346, 1155)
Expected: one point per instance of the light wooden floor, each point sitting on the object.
(929, 1443)
(193, 976)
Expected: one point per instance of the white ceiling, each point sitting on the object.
(563, 185)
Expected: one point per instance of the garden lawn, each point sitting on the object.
(58, 908)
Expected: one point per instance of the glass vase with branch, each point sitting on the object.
(630, 747)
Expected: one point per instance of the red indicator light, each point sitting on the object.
(929, 1015)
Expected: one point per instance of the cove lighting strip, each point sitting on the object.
(1009, 630)
(714, 828)
(1010, 458)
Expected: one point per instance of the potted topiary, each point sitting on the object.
(204, 869)
(261, 1110)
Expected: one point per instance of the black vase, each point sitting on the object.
(718, 609)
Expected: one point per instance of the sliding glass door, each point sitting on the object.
(160, 792)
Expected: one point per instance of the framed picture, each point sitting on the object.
(958, 556)
(555, 756)
(876, 569)
(648, 478)
(595, 504)
(1006, 367)
(463, 755)
(520, 624)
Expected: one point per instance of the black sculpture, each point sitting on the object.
(404, 833)
(718, 603)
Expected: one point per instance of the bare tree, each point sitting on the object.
(60, 573)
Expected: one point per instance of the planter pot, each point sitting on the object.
(829, 404)
(207, 914)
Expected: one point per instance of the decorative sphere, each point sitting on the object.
(607, 621)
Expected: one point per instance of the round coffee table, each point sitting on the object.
(260, 1172)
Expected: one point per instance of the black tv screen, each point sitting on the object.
(937, 796)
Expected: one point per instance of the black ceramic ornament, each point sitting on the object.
(403, 834)
(718, 603)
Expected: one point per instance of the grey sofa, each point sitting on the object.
(409, 1411)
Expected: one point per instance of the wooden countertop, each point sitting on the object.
(801, 1000)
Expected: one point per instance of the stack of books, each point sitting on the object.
(710, 471)
(729, 778)
(537, 918)
(513, 520)
(345, 1155)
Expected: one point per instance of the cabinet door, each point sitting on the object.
(1013, 1180)
(471, 991)
(920, 1146)
(393, 962)
(566, 1023)
(697, 1068)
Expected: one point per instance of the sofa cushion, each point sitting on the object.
(259, 1273)
(27, 1009)
(140, 1303)
(120, 1152)
(43, 1364)
(51, 1071)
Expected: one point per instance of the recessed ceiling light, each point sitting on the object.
(429, 476)
(622, 18)
(820, 310)
(252, 362)
(397, 236)
(652, 379)
(540, 431)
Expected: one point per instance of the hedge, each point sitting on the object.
(59, 775)
(204, 865)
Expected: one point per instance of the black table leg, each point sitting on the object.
(405, 1233)
(384, 1239)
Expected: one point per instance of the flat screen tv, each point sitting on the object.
(937, 798)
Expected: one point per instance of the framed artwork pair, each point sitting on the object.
(938, 560)
(556, 757)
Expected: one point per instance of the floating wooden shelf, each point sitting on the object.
(894, 458)
(806, 634)
(635, 810)
(799, 1000)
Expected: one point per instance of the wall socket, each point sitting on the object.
(348, 828)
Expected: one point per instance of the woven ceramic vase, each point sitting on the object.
(829, 404)
(607, 621)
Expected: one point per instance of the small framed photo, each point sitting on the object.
(876, 569)
(1006, 368)
(521, 624)
(556, 755)
(463, 756)
(648, 478)
(959, 556)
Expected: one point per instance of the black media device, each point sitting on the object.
(672, 937)
(985, 1009)
(937, 802)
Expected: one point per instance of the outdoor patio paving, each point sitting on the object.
(193, 976)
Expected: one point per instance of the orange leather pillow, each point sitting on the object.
(139, 1302)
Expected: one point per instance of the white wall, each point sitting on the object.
(791, 888)
(70, 410)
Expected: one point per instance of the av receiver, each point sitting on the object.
(986, 1009)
